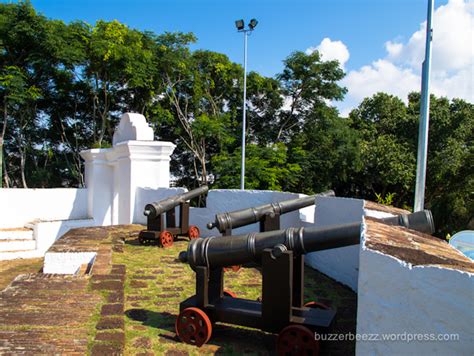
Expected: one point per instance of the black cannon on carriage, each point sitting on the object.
(280, 255)
(161, 219)
(267, 215)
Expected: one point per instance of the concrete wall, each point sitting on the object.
(400, 300)
(21, 206)
(146, 196)
(341, 264)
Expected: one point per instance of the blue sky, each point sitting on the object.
(378, 40)
(284, 25)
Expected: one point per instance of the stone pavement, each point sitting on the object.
(44, 314)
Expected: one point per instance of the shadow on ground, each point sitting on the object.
(242, 340)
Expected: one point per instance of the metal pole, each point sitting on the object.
(424, 116)
(244, 109)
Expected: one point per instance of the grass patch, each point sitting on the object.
(156, 282)
(10, 269)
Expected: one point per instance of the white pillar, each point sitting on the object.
(113, 175)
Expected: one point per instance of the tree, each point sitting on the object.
(267, 167)
(388, 148)
(307, 83)
(389, 134)
(118, 59)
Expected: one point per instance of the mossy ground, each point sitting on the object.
(156, 282)
(10, 269)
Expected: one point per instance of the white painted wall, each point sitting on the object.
(144, 196)
(341, 264)
(397, 298)
(21, 206)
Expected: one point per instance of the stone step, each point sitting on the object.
(19, 233)
(17, 245)
(13, 255)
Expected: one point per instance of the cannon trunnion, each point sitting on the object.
(161, 219)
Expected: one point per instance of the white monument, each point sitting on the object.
(113, 175)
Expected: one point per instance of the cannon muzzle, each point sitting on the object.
(153, 210)
(238, 218)
(421, 221)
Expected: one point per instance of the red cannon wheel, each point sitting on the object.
(193, 327)
(166, 239)
(229, 293)
(317, 305)
(297, 340)
(193, 232)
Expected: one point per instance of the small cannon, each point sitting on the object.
(282, 309)
(268, 215)
(161, 219)
(421, 221)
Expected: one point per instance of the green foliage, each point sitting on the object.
(387, 200)
(266, 167)
(388, 148)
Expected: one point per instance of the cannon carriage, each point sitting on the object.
(280, 255)
(161, 219)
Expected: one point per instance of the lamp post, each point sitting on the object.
(424, 116)
(246, 31)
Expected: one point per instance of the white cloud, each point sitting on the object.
(381, 75)
(331, 50)
(400, 71)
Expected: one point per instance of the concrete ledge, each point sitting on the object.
(7, 256)
(67, 263)
(20, 233)
(411, 284)
(47, 232)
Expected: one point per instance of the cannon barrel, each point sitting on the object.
(238, 218)
(154, 209)
(421, 221)
(226, 251)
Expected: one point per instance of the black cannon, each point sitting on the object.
(281, 310)
(268, 215)
(421, 221)
(161, 219)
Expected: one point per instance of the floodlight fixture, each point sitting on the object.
(253, 23)
(240, 24)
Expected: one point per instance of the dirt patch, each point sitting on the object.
(142, 343)
(110, 323)
(111, 309)
(115, 336)
(138, 284)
